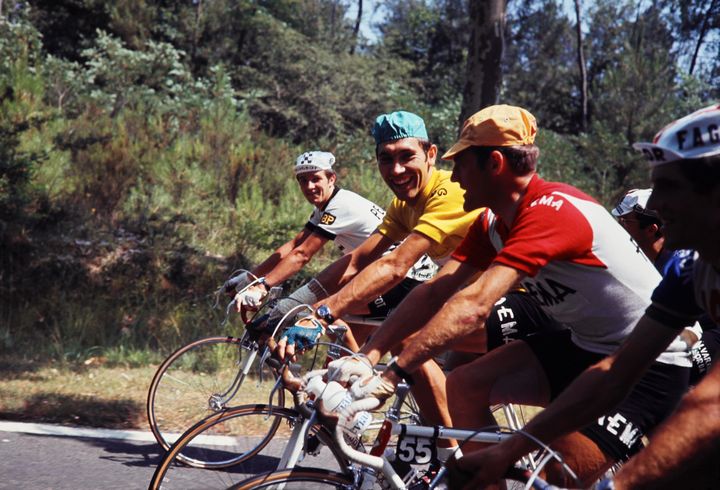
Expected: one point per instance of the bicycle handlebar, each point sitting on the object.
(347, 416)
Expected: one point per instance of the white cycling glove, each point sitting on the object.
(236, 283)
(374, 386)
(346, 369)
(251, 298)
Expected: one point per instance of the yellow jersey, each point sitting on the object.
(437, 213)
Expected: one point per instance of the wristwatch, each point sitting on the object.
(392, 365)
(324, 313)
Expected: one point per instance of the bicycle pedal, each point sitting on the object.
(313, 445)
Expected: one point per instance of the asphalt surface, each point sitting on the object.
(34, 461)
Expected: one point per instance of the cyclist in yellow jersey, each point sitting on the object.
(434, 214)
(426, 214)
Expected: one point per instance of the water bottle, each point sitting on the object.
(336, 399)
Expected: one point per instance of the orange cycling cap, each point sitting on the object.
(497, 125)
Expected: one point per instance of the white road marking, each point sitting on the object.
(125, 435)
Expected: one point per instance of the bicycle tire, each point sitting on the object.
(181, 390)
(161, 479)
(299, 478)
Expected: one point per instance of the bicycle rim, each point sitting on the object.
(184, 385)
(298, 479)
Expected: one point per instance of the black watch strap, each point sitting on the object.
(404, 375)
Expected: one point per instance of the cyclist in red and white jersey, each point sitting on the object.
(570, 254)
(685, 169)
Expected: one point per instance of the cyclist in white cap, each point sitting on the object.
(702, 340)
(685, 169)
(643, 225)
(339, 215)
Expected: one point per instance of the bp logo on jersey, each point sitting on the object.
(327, 219)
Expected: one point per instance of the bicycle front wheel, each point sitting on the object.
(297, 479)
(203, 378)
(260, 456)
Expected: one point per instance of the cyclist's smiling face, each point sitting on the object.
(317, 187)
(405, 167)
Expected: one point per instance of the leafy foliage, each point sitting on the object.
(146, 145)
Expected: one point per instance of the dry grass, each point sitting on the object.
(87, 395)
(97, 395)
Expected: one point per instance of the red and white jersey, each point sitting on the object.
(582, 266)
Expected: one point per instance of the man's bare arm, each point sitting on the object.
(380, 276)
(296, 259)
(597, 390)
(280, 253)
(465, 312)
(683, 452)
(344, 269)
(417, 308)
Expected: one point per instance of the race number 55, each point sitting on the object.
(416, 450)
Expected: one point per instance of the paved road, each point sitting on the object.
(33, 461)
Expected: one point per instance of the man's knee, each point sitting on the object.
(581, 455)
(456, 384)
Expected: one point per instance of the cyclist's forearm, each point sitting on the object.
(290, 265)
(266, 266)
(464, 313)
(684, 447)
(374, 280)
(458, 317)
(409, 317)
(343, 270)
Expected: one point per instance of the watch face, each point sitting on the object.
(323, 311)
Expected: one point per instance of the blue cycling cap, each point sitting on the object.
(398, 125)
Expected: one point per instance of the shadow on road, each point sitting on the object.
(149, 454)
(79, 410)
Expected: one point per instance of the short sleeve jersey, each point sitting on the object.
(582, 267)
(347, 219)
(438, 214)
(690, 289)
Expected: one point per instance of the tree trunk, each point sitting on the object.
(485, 53)
(356, 30)
(583, 69)
(196, 30)
(701, 36)
(333, 15)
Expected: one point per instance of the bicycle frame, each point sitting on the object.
(378, 461)
(218, 401)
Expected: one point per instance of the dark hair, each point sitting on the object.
(645, 220)
(703, 173)
(521, 158)
(424, 144)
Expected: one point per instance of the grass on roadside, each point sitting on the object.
(85, 394)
